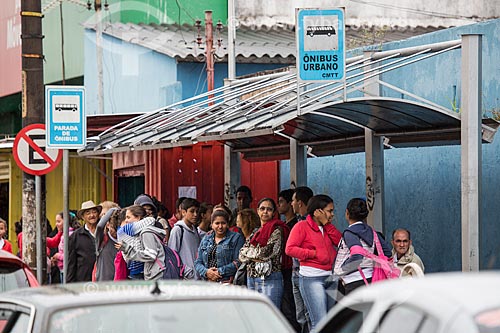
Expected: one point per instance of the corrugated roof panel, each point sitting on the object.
(277, 44)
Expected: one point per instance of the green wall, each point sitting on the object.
(73, 17)
(171, 11)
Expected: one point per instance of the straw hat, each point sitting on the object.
(86, 206)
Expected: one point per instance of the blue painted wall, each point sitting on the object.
(423, 184)
(137, 79)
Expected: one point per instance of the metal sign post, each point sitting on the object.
(40, 253)
(66, 129)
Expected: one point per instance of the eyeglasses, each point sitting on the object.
(263, 208)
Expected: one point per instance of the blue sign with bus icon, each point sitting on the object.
(65, 117)
(320, 43)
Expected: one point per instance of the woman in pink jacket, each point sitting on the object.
(313, 243)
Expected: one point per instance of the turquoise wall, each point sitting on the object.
(423, 184)
(136, 79)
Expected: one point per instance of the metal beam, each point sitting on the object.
(471, 150)
(298, 164)
(374, 155)
(232, 176)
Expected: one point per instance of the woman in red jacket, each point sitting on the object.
(313, 243)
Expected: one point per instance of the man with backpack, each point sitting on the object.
(184, 238)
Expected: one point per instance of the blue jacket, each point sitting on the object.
(227, 254)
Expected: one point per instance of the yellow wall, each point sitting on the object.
(84, 184)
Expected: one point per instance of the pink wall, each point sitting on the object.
(10, 47)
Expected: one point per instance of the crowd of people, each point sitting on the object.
(290, 250)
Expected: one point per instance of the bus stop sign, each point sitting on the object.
(65, 116)
(321, 44)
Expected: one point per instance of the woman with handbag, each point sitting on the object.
(354, 269)
(264, 254)
(312, 242)
(218, 251)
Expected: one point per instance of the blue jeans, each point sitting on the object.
(300, 308)
(271, 286)
(318, 297)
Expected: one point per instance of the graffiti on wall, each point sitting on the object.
(370, 193)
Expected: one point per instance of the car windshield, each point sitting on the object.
(488, 321)
(12, 277)
(170, 316)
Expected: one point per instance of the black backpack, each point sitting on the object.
(174, 268)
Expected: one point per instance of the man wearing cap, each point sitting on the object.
(81, 246)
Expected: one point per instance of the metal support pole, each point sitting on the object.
(374, 155)
(471, 150)
(232, 176)
(65, 211)
(40, 254)
(98, 42)
(298, 164)
(231, 36)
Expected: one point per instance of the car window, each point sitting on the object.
(402, 318)
(21, 324)
(14, 318)
(12, 278)
(349, 320)
(171, 316)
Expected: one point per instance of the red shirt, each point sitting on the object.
(7, 246)
(51, 242)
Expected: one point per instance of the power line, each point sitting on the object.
(417, 11)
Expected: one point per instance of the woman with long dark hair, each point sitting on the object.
(218, 251)
(312, 242)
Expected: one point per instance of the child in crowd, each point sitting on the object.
(141, 241)
(4, 243)
(184, 238)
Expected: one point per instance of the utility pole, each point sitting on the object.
(98, 44)
(33, 112)
(209, 42)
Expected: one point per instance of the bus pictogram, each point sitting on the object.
(66, 107)
(321, 30)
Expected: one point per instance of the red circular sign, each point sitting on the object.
(31, 154)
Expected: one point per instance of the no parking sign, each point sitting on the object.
(31, 154)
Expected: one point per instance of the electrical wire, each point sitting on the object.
(185, 11)
(54, 3)
(417, 11)
(199, 78)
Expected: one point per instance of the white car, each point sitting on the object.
(139, 307)
(436, 303)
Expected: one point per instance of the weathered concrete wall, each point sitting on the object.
(381, 12)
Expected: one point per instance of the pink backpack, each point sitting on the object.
(383, 267)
